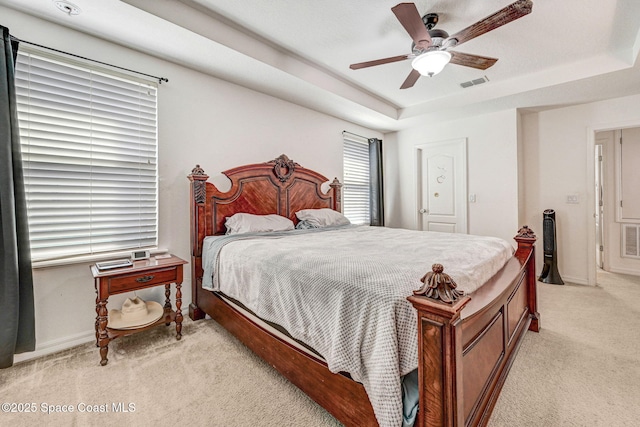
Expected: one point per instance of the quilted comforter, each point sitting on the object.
(343, 291)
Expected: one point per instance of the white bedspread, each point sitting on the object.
(343, 292)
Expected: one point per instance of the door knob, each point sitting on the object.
(423, 210)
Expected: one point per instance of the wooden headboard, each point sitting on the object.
(279, 186)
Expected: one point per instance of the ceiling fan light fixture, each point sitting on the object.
(431, 63)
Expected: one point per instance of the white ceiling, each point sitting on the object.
(564, 52)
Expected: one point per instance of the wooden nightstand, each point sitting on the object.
(142, 274)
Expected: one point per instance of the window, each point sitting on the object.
(356, 186)
(89, 148)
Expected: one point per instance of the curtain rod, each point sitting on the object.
(160, 79)
(355, 134)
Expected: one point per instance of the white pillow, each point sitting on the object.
(249, 223)
(324, 217)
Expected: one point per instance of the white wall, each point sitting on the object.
(202, 120)
(492, 152)
(519, 165)
(558, 147)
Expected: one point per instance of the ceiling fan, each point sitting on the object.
(430, 47)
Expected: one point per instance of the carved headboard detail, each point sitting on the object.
(283, 167)
(280, 186)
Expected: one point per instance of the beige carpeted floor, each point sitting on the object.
(580, 370)
(583, 368)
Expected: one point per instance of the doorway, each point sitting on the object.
(615, 154)
(441, 182)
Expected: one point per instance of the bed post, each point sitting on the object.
(454, 392)
(337, 195)
(526, 254)
(198, 195)
(439, 349)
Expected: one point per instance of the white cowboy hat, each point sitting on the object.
(135, 313)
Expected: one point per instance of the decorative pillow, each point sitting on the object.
(305, 225)
(322, 217)
(249, 223)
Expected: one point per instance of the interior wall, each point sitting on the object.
(202, 120)
(558, 148)
(492, 158)
(522, 168)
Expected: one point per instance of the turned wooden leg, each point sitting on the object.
(178, 311)
(167, 301)
(97, 319)
(103, 337)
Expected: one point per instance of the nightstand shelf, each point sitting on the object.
(141, 275)
(166, 319)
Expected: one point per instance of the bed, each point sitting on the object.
(465, 343)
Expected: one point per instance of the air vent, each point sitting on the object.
(475, 82)
(630, 235)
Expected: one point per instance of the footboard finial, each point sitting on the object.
(439, 286)
(525, 233)
(526, 239)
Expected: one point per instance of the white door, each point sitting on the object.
(629, 175)
(442, 186)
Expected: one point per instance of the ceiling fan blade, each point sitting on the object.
(473, 61)
(409, 17)
(379, 62)
(411, 79)
(503, 16)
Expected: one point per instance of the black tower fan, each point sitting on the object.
(550, 273)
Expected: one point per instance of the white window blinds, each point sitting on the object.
(356, 188)
(89, 149)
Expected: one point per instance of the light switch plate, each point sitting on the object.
(573, 199)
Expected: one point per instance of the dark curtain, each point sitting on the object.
(17, 322)
(376, 195)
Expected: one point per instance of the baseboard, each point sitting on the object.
(576, 280)
(628, 271)
(55, 346)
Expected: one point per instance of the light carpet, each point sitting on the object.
(582, 369)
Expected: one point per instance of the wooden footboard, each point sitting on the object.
(466, 347)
